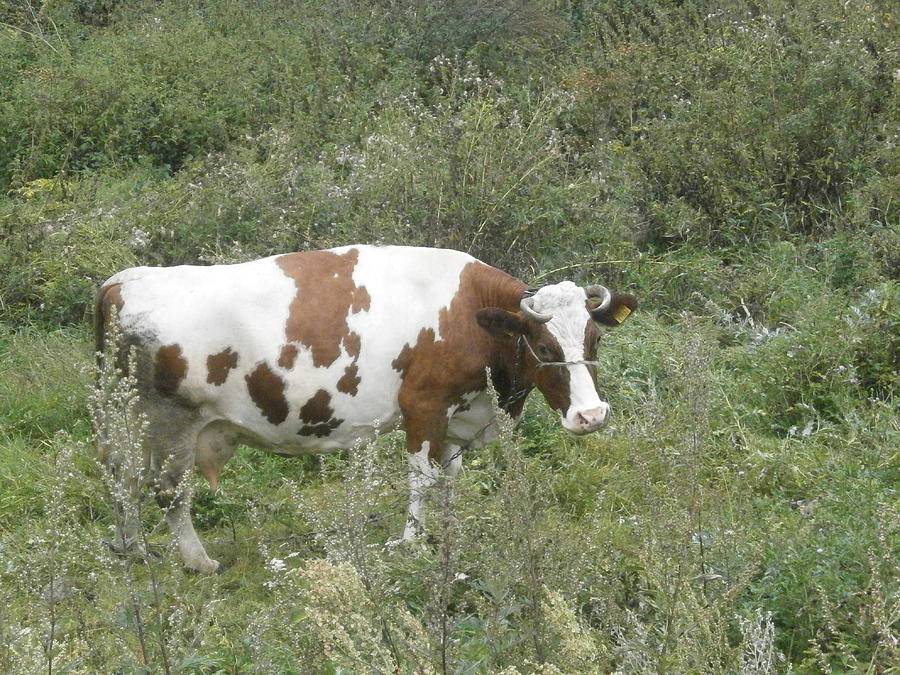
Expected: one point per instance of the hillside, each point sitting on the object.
(735, 165)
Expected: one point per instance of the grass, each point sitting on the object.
(678, 541)
(43, 379)
(734, 169)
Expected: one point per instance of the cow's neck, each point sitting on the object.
(506, 292)
(508, 382)
(503, 291)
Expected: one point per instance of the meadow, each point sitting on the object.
(735, 165)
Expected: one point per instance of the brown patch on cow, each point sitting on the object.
(361, 300)
(266, 389)
(591, 341)
(288, 356)
(317, 416)
(436, 373)
(326, 296)
(318, 408)
(462, 406)
(319, 430)
(219, 365)
(349, 382)
(555, 384)
(170, 368)
(352, 344)
(408, 354)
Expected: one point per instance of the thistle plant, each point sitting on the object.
(758, 655)
(120, 429)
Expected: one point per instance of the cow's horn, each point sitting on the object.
(598, 291)
(531, 313)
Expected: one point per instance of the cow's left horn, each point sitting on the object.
(598, 291)
(532, 313)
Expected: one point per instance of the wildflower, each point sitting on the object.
(276, 565)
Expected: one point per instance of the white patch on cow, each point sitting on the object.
(566, 303)
(407, 290)
(476, 425)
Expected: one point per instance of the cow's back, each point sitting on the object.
(293, 350)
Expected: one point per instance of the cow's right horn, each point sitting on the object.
(531, 313)
(598, 291)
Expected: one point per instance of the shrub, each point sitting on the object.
(56, 253)
(759, 132)
(154, 86)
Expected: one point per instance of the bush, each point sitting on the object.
(154, 86)
(733, 166)
(743, 125)
(57, 250)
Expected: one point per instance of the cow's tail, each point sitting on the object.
(100, 320)
(106, 304)
(107, 301)
(101, 302)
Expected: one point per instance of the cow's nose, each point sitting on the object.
(593, 419)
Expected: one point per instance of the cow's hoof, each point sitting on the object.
(404, 544)
(207, 567)
(121, 546)
(395, 544)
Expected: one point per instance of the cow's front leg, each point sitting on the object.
(426, 417)
(426, 468)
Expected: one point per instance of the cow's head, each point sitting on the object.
(551, 343)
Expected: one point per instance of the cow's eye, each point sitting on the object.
(544, 352)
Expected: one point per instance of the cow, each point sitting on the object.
(321, 350)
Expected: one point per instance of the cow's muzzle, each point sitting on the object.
(586, 421)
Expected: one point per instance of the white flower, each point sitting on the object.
(276, 565)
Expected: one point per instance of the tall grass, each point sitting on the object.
(677, 542)
(734, 166)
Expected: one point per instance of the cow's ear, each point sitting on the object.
(500, 323)
(620, 307)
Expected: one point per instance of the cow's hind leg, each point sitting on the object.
(209, 450)
(193, 554)
(174, 451)
(127, 480)
(128, 468)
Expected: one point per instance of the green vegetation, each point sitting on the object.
(734, 165)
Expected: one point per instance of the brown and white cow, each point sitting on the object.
(315, 351)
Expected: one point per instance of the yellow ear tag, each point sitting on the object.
(621, 313)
